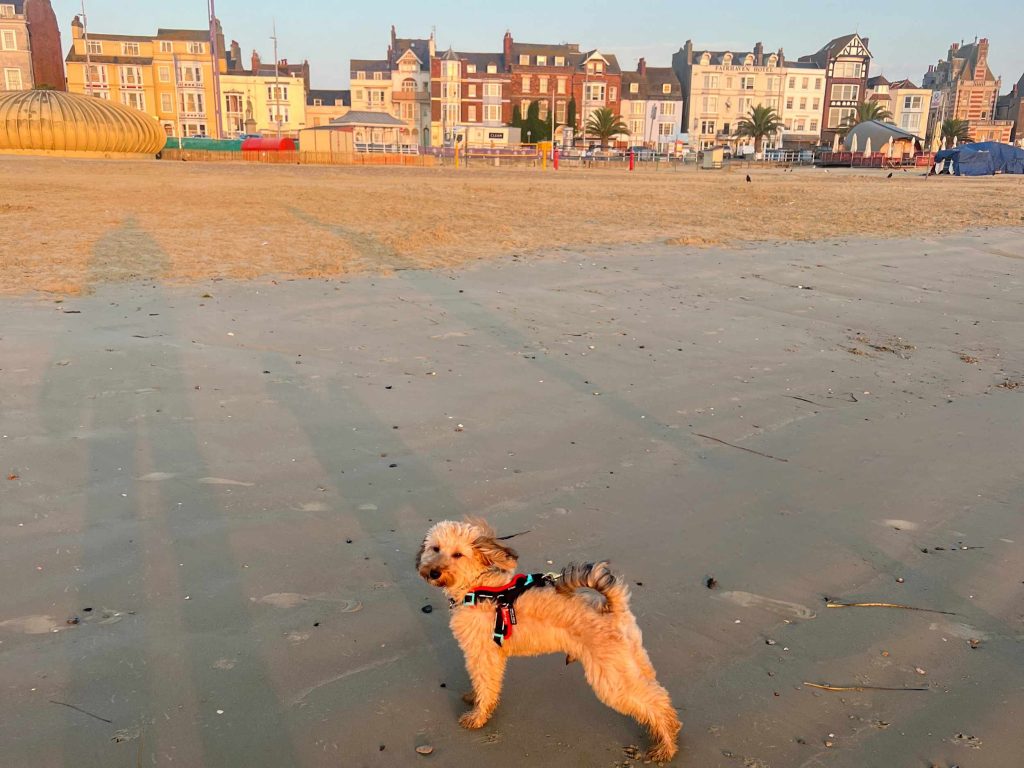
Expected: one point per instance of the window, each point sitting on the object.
(792, 82)
(559, 61)
(97, 74)
(747, 83)
(192, 103)
(543, 112)
(451, 114)
(595, 67)
(595, 92)
(190, 74)
(634, 87)
(451, 69)
(233, 102)
(471, 113)
(6, 11)
(378, 75)
(710, 81)
(134, 99)
(449, 90)
(637, 108)
(492, 113)
(131, 76)
(789, 102)
(666, 88)
(359, 94)
(910, 121)
(193, 129)
(8, 40)
(375, 96)
(817, 103)
(636, 127)
(845, 92)
(710, 104)
(542, 61)
(408, 85)
(492, 69)
(194, 47)
(850, 69)
(613, 93)
(409, 111)
(772, 102)
(668, 107)
(492, 89)
(360, 75)
(471, 91)
(805, 83)
(524, 106)
(798, 126)
(560, 112)
(527, 84)
(814, 126)
(524, 60)
(836, 115)
(817, 83)
(164, 73)
(542, 84)
(129, 49)
(803, 102)
(94, 48)
(561, 85)
(912, 102)
(12, 80)
(771, 83)
(707, 127)
(166, 46)
(166, 103)
(280, 93)
(744, 104)
(666, 129)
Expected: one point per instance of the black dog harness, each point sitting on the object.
(504, 599)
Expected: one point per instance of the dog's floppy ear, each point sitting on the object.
(496, 553)
(419, 555)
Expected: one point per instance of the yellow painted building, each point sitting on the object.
(169, 75)
(263, 103)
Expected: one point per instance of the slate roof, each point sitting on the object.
(419, 46)
(649, 85)
(373, 119)
(368, 65)
(831, 48)
(329, 98)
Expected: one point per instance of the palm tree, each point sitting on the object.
(604, 124)
(761, 123)
(953, 128)
(868, 110)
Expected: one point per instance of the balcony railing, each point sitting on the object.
(423, 96)
(190, 83)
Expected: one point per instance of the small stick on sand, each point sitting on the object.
(859, 688)
(748, 450)
(79, 709)
(887, 605)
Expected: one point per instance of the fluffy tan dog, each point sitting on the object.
(563, 615)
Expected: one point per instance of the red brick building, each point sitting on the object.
(964, 88)
(468, 92)
(44, 36)
(846, 61)
(552, 75)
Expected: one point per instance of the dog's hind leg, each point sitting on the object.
(486, 671)
(621, 684)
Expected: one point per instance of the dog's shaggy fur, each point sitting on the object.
(586, 616)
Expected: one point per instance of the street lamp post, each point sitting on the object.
(88, 56)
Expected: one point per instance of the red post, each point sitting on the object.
(554, 156)
(632, 160)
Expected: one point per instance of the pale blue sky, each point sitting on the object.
(904, 36)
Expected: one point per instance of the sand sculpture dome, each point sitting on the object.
(38, 122)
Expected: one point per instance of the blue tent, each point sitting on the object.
(983, 158)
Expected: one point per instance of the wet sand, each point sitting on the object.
(234, 478)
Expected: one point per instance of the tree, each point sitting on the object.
(570, 113)
(604, 124)
(533, 127)
(869, 110)
(517, 117)
(954, 128)
(761, 123)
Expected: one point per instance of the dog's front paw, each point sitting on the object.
(473, 720)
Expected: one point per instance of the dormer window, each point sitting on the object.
(492, 69)
(524, 60)
(559, 61)
(666, 88)
(471, 69)
(542, 61)
(166, 46)
(727, 59)
(748, 60)
(705, 59)
(634, 87)
(378, 75)
(129, 49)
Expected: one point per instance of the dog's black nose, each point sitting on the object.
(435, 574)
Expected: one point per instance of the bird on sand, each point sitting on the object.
(889, 176)
(748, 178)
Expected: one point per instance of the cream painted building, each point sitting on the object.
(268, 104)
(324, 106)
(907, 103)
(370, 83)
(409, 61)
(15, 52)
(169, 75)
(803, 94)
(721, 87)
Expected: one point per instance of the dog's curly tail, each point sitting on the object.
(598, 577)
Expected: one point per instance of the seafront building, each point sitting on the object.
(963, 87)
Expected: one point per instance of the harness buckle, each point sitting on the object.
(469, 599)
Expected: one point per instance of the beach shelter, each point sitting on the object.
(881, 133)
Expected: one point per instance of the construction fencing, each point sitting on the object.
(298, 157)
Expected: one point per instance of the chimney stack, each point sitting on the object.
(641, 66)
(432, 45)
(255, 62)
(507, 48)
(759, 54)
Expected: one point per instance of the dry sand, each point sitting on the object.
(219, 220)
(225, 483)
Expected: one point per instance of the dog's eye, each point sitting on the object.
(437, 549)
(457, 555)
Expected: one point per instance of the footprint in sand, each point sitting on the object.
(293, 599)
(223, 481)
(30, 625)
(780, 607)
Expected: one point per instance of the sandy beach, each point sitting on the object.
(213, 489)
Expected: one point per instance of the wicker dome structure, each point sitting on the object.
(55, 122)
